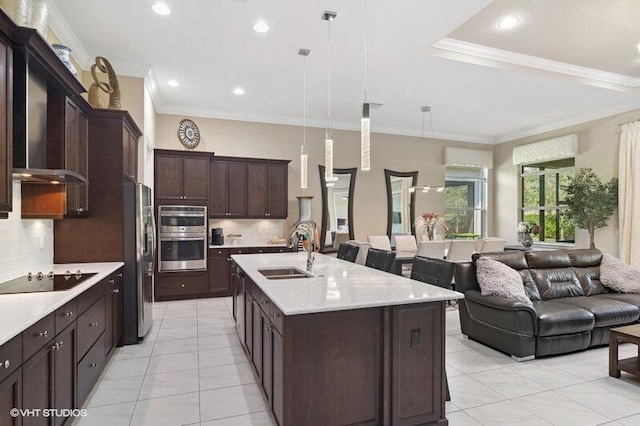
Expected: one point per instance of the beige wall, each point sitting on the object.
(259, 140)
(598, 144)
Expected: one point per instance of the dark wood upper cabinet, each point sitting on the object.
(129, 153)
(182, 177)
(76, 156)
(6, 125)
(228, 189)
(267, 193)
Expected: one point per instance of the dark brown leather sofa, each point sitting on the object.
(571, 309)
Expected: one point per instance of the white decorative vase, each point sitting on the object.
(63, 53)
(29, 13)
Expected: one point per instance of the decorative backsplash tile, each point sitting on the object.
(26, 245)
(253, 231)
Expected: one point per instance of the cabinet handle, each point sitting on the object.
(276, 315)
(182, 285)
(55, 347)
(112, 281)
(264, 302)
(93, 364)
(117, 290)
(93, 324)
(68, 314)
(44, 333)
(239, 251)
(120, 275)
(59, 345)
(6, 364)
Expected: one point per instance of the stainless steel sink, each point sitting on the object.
(283, 273)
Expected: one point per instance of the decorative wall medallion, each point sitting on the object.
(189, 134)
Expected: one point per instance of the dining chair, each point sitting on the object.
(436, 272)
(492, 245)
(379, 242)
(382, 260)
(348, 251)
(341, 237)
(434, 249)
(461, 250)
(405, 243)
(363, 252)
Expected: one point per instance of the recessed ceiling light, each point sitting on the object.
(173, 83)
(508, 22)
(161, 8)
(260, 27)
(238, 91)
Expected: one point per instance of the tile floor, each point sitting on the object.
(192, 371)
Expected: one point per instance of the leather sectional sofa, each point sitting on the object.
(571, 309)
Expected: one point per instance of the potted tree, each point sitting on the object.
(591, 202)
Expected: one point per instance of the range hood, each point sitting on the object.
(30, 159)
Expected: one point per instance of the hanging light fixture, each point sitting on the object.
(304, 156)
(328, 138)
(426, 188)
(365, 122)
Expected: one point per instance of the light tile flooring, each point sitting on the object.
(191, 371)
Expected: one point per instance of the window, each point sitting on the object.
(543, 199)
(465, 208)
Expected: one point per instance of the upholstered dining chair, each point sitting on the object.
(492, 245)
(435, 272)
(363, 252)
(380, 242)
(433, 249)
(405, 243)
(348, 251)
(380, 259)
(461, 250)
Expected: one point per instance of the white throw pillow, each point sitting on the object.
(497, 279)
(619, 276)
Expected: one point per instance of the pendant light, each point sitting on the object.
(425, 188)
(328, 137)
(304, 156)
(365, 123)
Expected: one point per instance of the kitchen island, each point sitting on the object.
(346, 345)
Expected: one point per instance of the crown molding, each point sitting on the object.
(59, 25)
(151, 83)
(191, 111)
(573, 121)
(488, 56)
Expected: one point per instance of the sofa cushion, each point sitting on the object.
(619, 276)
(585, 257)
(607, 312)
(556, 282)
(589, 278)
(555, 319)
(633, 299)
(530, 287)
(497, 279)
(548, 259)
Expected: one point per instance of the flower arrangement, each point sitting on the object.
(525, 229)
(428, 223)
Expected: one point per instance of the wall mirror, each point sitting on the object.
(401, 214)
(337, 208)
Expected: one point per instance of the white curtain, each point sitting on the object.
(629, 193)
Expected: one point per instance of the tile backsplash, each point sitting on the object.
(254, 231)
(26, 245)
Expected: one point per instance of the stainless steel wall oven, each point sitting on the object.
(183, 238)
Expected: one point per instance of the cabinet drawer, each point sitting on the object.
(90, 296)
(90, 326)
(277, 318)
(271, 249)
(66, 314)
(10, 356)
(38, 335)
(89, 369)
(182, 285)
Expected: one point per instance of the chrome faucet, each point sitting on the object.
(304, 231)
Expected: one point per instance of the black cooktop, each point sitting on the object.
(41, 283)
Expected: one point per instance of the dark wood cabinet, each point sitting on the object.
(228, 186)
(11, 397)
(65, 371)
(38, 383)
(76, 157)
(89, 369)
(113, 322)
(6, 126)
(130, 152)
(267, 189)
(178, 285)
(182, 177)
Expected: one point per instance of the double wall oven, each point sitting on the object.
(183, 238)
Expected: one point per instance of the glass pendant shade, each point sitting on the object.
(365, 138)
(328, 158)
(304, 158)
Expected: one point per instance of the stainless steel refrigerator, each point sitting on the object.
(139, 253)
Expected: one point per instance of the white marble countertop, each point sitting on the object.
(243, 245)
(336, 285)
(22, 310)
